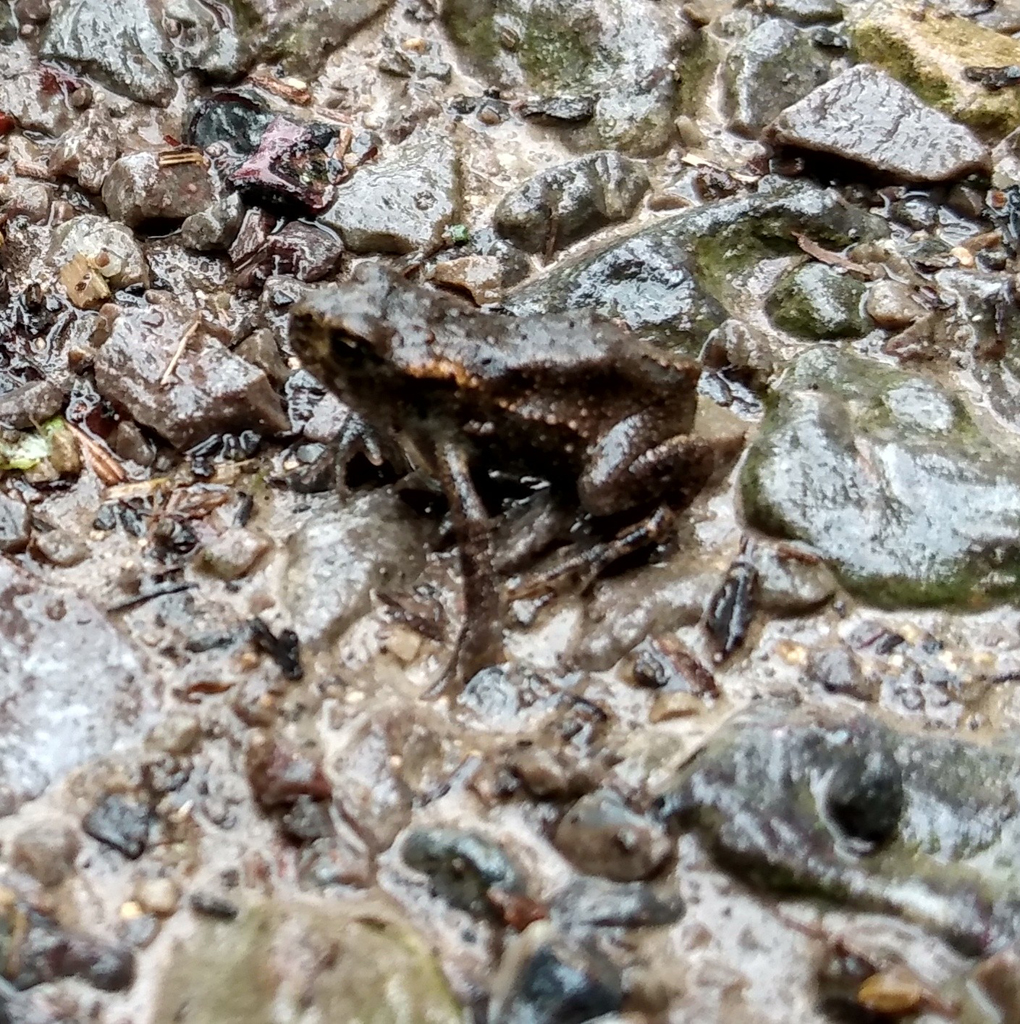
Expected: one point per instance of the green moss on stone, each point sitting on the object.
(928, 55)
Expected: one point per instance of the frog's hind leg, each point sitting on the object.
(480, 642)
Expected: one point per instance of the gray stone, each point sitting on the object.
(110, 247)
(139, 189)
(87, 150)
(866, 116)
(890, 479)
(806, 12)
(817, 301)
(563, 204)
(209, 391)
(215, 227)
(773, 66)
(122, 44)
(50, 641)
(15, 527)
(29, 405)
(673, 282)
(339, 556)
(600, 835)
(404, 201)
(617, 50)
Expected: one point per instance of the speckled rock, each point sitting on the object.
(50, 640)
(617, 50)
(138, 190)
(866, 116)
(209, 390)
(890, 479)
(121, 44)
(402, 202)
(772, 67)
(110, 247)
(563, 204)
(337, 558)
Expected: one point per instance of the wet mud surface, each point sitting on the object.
(509, 512)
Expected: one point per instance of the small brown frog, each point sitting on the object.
(568, 398)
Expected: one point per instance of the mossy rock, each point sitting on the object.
(819, 303)
(928, 54)
(355, 963)
(891, 480)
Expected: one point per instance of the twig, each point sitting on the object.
(100, 459)
(148, 595)
(179, 352)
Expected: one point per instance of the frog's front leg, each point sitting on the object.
(480, 642)
(628, 468)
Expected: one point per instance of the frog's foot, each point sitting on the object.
(357, 437)
(582, 566)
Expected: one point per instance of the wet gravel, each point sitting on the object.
(638, 647)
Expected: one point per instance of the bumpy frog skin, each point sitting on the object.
(808, 801)
(567, 398)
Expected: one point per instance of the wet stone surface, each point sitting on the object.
(508, 512)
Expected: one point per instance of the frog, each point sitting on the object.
(835, 803)
(569, 398)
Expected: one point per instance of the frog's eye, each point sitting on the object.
(862, 798)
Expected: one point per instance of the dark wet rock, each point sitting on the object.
(596, 903)
(546, 979)
(891, 480)
(770, 68)
(551, 774)
(87, 150)
(558, 111)
(8, 26)
(28, 405)
(672, 281)
(370, 966)
(893, 829)
(306, 251)
(120, 822)
(215, 227)
(39, 950)
(46, 850)
(272, 160)
(563, 204)
(205, 38)
(139, 189)
(928, 54)
(617, 51)
(337, 558)
(918, 212)
(838, 671)
(110, 247)
(402, 202)
(818, 302)
(15, 525)
(209, 391)
(865, 116)
(462, 867)
(600, 835)
(121, 44)
(279, 774)
(50, 640)
(892, 305)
